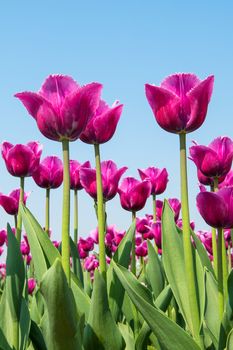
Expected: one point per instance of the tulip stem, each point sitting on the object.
(224, 269)
(100, 213)
(66, 211)
(75, 217)
(154, 207)
(220, 274)
(15, 219)
(188, 257)
(47, 211)
(19, 217)
(133, 259)
(214, 188)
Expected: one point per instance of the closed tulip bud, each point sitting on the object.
(31, 285)
(49, 174)
(158, 179)
(180, 103)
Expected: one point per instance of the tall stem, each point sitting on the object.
(19, 218)
(15, 219)
(190, 277)
(66, 211)
(220, 274)
(214, 188)
(75, 217)
(47, 211)
(100, 213)
(133, 259)
(154, 207)
(224, 268)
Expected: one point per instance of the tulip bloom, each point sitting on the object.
(49, 174)
(180, 103)
(142, 249)
(91, 263)
(110, 179)
(174, 204)
(158, 179)
(21, 160)
(214, 160)
(75, 166)
(134, 193)
(102, 126)
(31, 285)
(3, 236)
(10, 202)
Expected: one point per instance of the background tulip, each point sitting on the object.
(10, 202)
(49, 173)
(180, 103)
(3, 237)
(158, 178)
(31, 285)
(75, 166)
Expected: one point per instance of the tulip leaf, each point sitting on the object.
(202, 253)
(77, 268)
(230, 341)
(168, 333)
(128, 336)
(101, 331)
(82, 300)
(36, 337)
(154, 271)
(174, 265)
(24, 324)
(6, 335)
(122, 256)
(61, 314)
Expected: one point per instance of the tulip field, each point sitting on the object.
(160, 284)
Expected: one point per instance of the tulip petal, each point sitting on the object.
(139, 194)
(5, 148)
(180, 83)
(205, 159)
(32, 101)
(88, 181)
(9, 204)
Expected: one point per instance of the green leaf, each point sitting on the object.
(128, 336)
(154, 272)
(230, 340)
(63, 332)
(36, 337)
(101, 331)
(82, 300)
(24, 324)
(122, 256)
(169, 335)
(6, 334)
(202, 253)
(77, 267)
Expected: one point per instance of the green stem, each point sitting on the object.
(19, 218)
(75, 217)
(220, 274)
(66, 211)
(133, 258)
(154, 207)
(15, 219)
(224, 268)
(214, 188)
(188, 257)
(47, 211)
(100, 213)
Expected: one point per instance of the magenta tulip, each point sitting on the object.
(10, 203)
(62, 108)
(142, 249)
(216, 208)
(49, 174)
(102, 126)
(180, 103)
(91, 263)
(174, 204)
(214, 160)
(31, 285)
(206, 238)
(3, 236)
(21, 160)
(86, 244)
(158, 179)
(157, 232)
(110, 179)
(228, 180)
(75, 166)
(134, 193)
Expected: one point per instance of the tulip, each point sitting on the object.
(157, 233)
(31, 285)
(214, 160)
(174, 204)
(91, 263)
(179, 223)
(102, 126)
(75, 185)
(180, 106)
(49, 175)
(206, 238)
(21, 161)
(62, 110)
(110, 178)
(142, 250)
(86, 244)
(3, 236)
(158, 179)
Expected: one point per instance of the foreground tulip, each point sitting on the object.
(110, 178)
(49, 175)
(180, 106)
(214, 160)
(21, 161)
(10, 202)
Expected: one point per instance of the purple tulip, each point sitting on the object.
(94, 234)
(214, 160)
(179, 223)
(24, 246)
(134, 193)
(180, 103)
(91, 263)
(21, 160)
(3, 236)
(216, 208)
(86, 244)
(62, 108)
(141, 250)
(206, 238)
(31, 285)
(75, 167)
(174, 204)
(102, 125)
(49, 174)
(110, 179)
(158, 179)
(10, 203)
(143, 225)
(156, 228)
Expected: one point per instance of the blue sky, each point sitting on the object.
(123, 45)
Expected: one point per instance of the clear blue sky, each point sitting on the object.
(122, 44)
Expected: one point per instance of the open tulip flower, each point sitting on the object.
(174, 204)
(10, 202)
(49, 173)
(214, 160)
(110, 179)
(75, 166)
(21, 160)
(62, 107)
(180, 103)
(158, 178)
